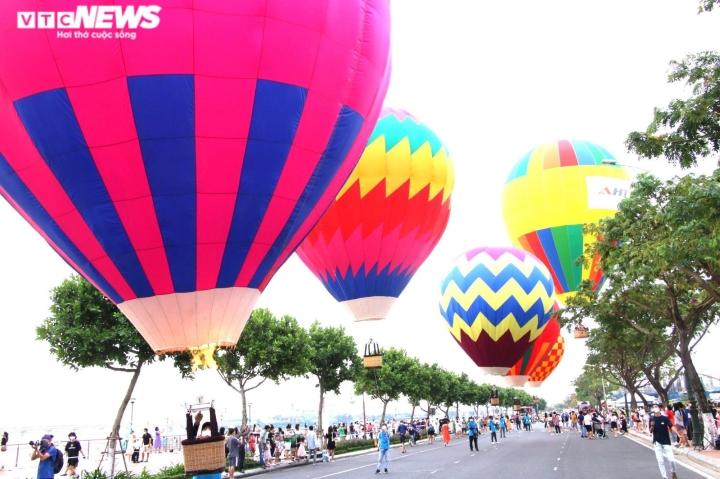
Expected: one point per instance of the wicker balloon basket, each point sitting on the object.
(372, 362)
(581, 332)
(204, 456)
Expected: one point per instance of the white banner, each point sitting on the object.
(606, 193)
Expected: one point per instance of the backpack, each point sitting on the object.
(59, 462)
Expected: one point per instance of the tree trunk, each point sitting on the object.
(244, 405)
(385, 403)
(645, 401)
(412, 415)
(115, 434)
(656, 383)
(633, 401)
(320, 409)
(695, 384)
(457, 409)
(124, 403)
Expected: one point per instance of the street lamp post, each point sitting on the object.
(132, 412)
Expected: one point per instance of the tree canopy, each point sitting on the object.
(86, 330)
(269, 348)
(333, 359)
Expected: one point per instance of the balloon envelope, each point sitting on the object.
(387, 218)
(548, 364)
(551, 193)
(496, 302)
(519, 373)
(179, 169)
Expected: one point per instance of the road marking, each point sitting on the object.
(373, 464)
(558, 458)
(433, 472)
(457, 462)
(472, 455)
(555, 468)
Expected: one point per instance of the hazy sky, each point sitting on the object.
(492, 79)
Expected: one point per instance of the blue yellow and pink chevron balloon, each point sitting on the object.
(496, 302)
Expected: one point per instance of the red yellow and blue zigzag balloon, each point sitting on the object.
(387, 218)
(496, 302)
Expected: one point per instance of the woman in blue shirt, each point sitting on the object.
(384, 450)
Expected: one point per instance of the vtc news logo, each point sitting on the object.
(93, 17)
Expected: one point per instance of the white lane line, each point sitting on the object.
(456, 462)
(433, 472)
(558, 458)
(472, 455)
(372, 464)
(555, 468)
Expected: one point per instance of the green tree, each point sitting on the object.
(688, 129)
(86, 330)
(630, 358)
(589, 386)
(418, 384)
(437, 385)
(269, 348)
(660, 254)
(708, 5)
(333, 360)
(388, 382)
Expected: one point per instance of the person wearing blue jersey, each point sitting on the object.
(472, 431)
(383, 450)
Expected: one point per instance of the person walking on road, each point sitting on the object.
(660, 427)
(493, 430)
(72, 452)
(503, 425)
(402, 432)
(383, 450)
(445, 433)
(472, 431)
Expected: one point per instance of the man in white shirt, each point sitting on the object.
(311, 442)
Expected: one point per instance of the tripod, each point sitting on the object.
(112, 449)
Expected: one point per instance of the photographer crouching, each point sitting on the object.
(45, 451)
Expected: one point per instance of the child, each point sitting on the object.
(266, 455)
(301, 455)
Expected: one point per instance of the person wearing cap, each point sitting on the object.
(46, 453)
(72, 452)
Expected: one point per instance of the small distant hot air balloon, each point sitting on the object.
(521, 370)
(496, 302)
(554, 191)
(178, 169)
(548, 364)
(387, 218)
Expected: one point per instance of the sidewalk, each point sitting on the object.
(709, 458)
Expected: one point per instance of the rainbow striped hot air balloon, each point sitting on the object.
(179, 169)
(387, 218)
(548, 364)
(496, 302)
(519, 374)
(553, 191)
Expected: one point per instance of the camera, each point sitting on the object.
(42, 445)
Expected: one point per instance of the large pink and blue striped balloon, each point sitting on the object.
(178, 170)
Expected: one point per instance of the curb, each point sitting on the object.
(692, 456)
(282, 467)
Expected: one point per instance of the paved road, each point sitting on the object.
(536, 455)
